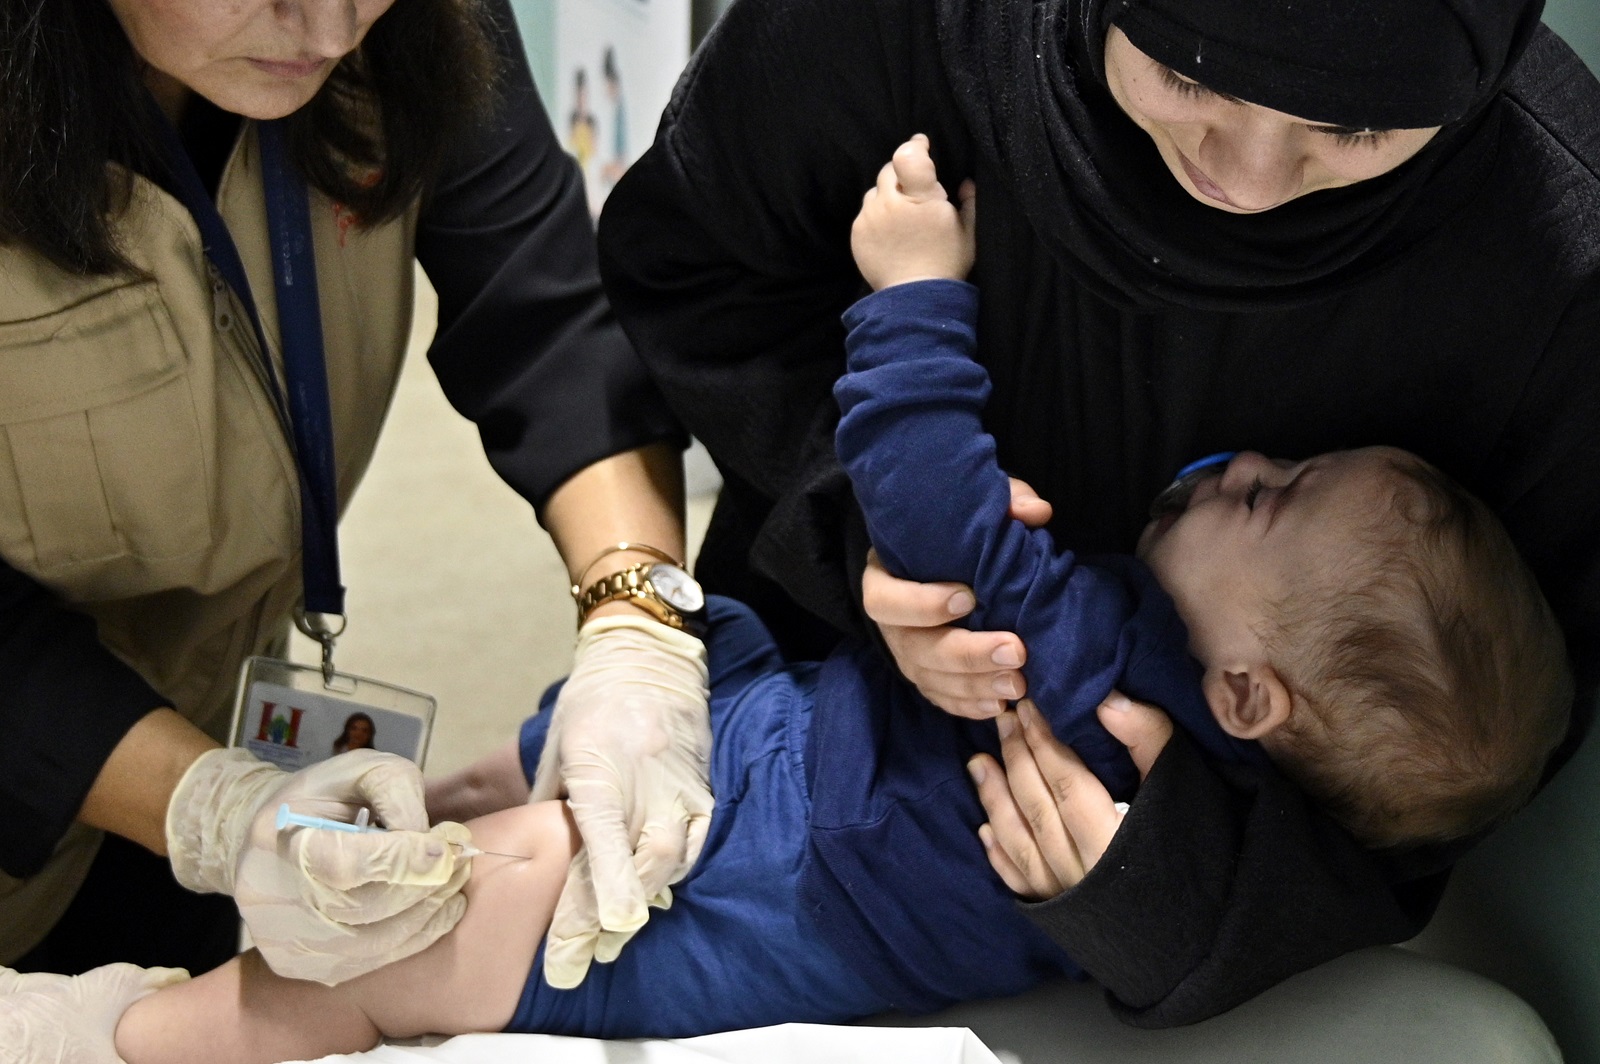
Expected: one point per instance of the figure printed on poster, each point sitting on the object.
(611, 68)
(581, 124)
(611, 169)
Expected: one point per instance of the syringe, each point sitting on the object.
(289, 818)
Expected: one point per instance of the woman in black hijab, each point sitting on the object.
(1206, 224)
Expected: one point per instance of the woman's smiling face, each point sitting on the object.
(1241, 157)
(258, 58)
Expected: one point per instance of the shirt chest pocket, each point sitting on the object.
(104, 459)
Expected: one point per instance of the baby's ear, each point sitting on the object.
(1248, 701)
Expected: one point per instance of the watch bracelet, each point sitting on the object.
(617, 548)
(630, 583)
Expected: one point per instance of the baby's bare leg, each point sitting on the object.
(470, 980)
(244, 1012)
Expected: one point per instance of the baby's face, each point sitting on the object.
(1259, 530)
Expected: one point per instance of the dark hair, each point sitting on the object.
(342, 743)
(72, 100)
(1436, 680)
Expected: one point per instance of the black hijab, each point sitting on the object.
(1028, 77)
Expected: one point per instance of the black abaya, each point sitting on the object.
(1463, 323)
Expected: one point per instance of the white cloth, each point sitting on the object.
(1376, 1006)
(789, 1043)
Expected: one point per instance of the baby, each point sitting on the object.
(1359, 615)
(1356, 617)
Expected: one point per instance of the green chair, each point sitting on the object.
(1578, 22)
(1520, 909)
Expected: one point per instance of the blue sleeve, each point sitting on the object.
(936, 501)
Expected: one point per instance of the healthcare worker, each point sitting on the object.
(1295, 225)
(177, 173)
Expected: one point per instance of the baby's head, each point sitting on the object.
(1373, 626)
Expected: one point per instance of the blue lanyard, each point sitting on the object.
(307, 414)
(294, 275)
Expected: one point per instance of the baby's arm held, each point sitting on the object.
(470, 980)
(968, 674)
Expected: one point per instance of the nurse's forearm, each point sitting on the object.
(632, 497)
(131, 792)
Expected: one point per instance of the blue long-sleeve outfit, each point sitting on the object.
(936, 505)
(842, 874)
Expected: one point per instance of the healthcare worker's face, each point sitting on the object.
(1241, 157)
(257, 58)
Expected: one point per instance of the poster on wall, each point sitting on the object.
(605, 69)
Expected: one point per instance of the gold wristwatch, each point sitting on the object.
(664, 590)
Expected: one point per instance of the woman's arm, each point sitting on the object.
(726, 253)
(968, 674)
(1050, 819)
(630, 742)
(1539, 481)
(527, 346)
(67, 707)
(134, 787)
(75, 758)
(633, 497)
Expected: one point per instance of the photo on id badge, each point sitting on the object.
(288, 715)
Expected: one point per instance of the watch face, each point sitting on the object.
(677, 588)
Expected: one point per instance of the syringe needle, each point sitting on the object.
(473, 851)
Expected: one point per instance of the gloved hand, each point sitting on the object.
(321, 905)
(630, 747)
(71, 1019)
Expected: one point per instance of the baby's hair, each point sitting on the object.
(1430, 681)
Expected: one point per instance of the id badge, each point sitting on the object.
(289, 715)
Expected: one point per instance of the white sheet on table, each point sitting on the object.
(789, 1043)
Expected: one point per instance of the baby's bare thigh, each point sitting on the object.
(472, 978)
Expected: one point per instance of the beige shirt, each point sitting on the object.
(144, 476)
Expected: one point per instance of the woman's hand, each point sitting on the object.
(968, 674)
(320, 905)
(629, 745)
(630, 749)
(1049, 817)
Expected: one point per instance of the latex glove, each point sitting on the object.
(320, 905)
(630, 747)
(71, 1019)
